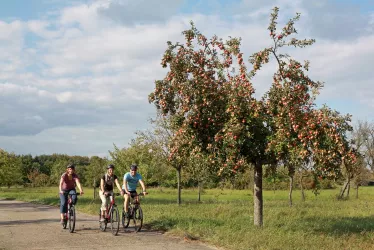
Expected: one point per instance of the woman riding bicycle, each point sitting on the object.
(106, 188)
(69, 180)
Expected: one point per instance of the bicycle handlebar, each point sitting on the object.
(115, 194)
(140, 194)
(70, 193)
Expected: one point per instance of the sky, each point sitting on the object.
(75, 74)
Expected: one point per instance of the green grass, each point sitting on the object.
(225, 217)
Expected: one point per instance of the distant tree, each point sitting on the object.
(10, 169)
(58, 168)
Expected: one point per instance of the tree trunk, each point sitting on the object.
(199, 198)
(290, 192)
(179, 200)
(291, 173)
(357, 190)
(94, 184)
(343, 189)
(348, 189)
(302, 188)
(257, 197)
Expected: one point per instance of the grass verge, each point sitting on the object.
(225, 217)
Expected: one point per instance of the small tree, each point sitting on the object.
(143, 152)
(95, 170)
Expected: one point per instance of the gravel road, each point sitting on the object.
(32, 226)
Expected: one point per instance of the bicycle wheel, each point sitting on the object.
(114, 221)
(125, 219)
(65, 222)
(138, 218)
(102, 224)
(71, 212)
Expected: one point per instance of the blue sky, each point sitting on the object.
(75, 75)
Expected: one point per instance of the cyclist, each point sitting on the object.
(106, 188)
(68, 181)
(130, 181)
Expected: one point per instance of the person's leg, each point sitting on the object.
(126, 203)
(62, 205)
(74, 197)
(110, 197)
(103, 204)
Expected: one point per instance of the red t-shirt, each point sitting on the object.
(68, 182)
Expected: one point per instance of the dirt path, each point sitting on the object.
(30, 226)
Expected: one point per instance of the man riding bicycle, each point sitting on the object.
(106, 188)
(130, 181)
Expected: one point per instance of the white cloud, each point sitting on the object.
(88, 69)
(40, 28)
(64, 97)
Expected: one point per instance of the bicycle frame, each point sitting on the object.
(68, 204)
(111, 210)
(135, 200)
(109, 207)
(135, 213)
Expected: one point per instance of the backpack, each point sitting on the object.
(106, 180)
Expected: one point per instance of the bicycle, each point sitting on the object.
(70, 215)
(135, 213)
(111, 215)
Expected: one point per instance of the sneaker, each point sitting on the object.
(102, 219)
(62, 222)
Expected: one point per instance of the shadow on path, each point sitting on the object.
(37, 221)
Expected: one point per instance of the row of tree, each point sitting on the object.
(147, 151)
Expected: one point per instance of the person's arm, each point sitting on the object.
(143, 186)
(118, 186)
(60, 186)
(125, 185)
(79, 185)
(102, 185)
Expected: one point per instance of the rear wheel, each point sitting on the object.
(71, 217)
(114, 221)
(125, 219)
(138, 218)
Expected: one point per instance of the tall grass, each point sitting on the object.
(225, 217)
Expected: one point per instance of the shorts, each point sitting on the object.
(132, 193)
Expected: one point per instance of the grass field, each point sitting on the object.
(225, 217)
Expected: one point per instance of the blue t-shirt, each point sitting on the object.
(132, 181)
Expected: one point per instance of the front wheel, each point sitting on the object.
(71, 212)
(114, 221)
(65, 221)
(125, 219)
(138, 218)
